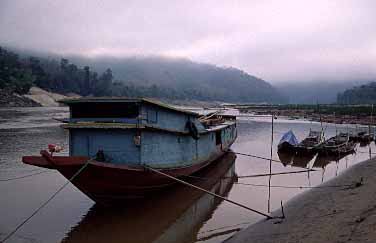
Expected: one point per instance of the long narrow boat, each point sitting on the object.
(311, 144)
(339, 144)
(117, 139)
(365, 137)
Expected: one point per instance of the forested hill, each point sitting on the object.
(133, 77)
(184, 78)
(18, 74)
(313, 92)
(363, 94)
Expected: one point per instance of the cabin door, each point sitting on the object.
(218, 137)
(79, 144)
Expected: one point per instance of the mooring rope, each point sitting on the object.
(250, 176)
(299, 187)
(364, 152)
(45, 203)
(224, 227)
(279, 186)
(25, 176)
(254, 156)
(222, 233)
(277, 173)
(18, 170)
(208, 192)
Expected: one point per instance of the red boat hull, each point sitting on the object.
(109, 184)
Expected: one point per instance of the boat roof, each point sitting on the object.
(289, 137)
(154, 102)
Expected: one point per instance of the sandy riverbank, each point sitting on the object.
(329, 214)
(35, 97)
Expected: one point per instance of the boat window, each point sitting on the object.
(218, 137)
(104, 110)
(152, 116)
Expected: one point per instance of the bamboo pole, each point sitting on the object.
(270, 162)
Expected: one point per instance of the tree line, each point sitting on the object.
(157, 78)
(19, 74)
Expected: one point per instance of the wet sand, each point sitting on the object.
(329, 214)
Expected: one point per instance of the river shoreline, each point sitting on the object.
(327, 214)
(328, 113)
(8, 99)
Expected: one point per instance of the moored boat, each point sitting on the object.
(112, 142)
(361, 137)
(365, 137)
(311, 144)
(288, 142)
(339, 144)
(173, 215)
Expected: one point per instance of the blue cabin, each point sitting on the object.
(136, 131)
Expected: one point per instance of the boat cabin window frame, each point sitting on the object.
(152, 115)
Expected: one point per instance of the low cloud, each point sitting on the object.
(279, 41)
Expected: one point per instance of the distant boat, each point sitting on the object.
(365, 137)
(311, 144)
(287, 142)
(361, 137)
(339, 144)
(118, 138)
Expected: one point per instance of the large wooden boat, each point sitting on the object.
(117, 139)
(170, 216)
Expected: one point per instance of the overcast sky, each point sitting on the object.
(278, 41)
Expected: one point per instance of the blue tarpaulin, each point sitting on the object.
(290, 138)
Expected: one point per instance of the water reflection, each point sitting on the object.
(364, 143)
(322, 161)
(296, 160)
(173, 215)
(22, 133)
(285, 157)
(302, 160)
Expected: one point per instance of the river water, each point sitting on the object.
(179, 215)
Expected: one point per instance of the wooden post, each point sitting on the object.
(270, 162)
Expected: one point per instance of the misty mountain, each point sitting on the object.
(174, 78)
(209, 82)
(313, 92)
(362, 94)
